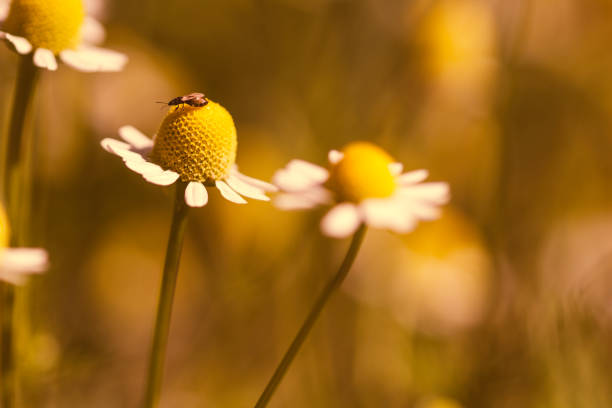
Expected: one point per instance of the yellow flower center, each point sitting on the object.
(362, 173)
(51, 24)
(197, 143)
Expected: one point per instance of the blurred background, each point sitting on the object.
(503, 302)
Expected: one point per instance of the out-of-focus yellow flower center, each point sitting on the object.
(362, 173)
(4, 229)
(51, 24)
(197, 143)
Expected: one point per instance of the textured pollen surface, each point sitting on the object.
(51, 24)
(197, 143)
(362, 173)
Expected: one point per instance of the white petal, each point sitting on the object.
(422, 210)
(412, 177)
(245, 189)
(291, 181)
(120, 149)
(144, 168)
(44, 58)
(318, 195)
(196, 194)
(228, 193)
(387, 213)
(165, 178)
(312, 171)
(270, 188)
(21, 45)
(396, 168)
(341, 221)
(92, 31)
(293, 201)
(135, 137)
(114, 146)
(24, 260)
(92, 59)
(334, 156)
(437, 193)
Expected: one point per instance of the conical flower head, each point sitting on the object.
(51, 24)
(362, 173)
(198, 143)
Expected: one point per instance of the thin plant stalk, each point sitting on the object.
(166, 296)
(333, 284)
(16, 194)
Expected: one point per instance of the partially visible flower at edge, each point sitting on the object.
(195, 144)
(363, 185)
(17, 263)
(50, 28)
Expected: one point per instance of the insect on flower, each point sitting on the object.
(195, 99)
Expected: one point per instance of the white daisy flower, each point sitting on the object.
(16, 264)
(196, 145)
(363, 185)
(51, 28)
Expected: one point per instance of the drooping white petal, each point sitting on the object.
(387, 213)
(270, 188)
(196, 194)
(396, 168)
(318, 195)
(422, 210)
(135, 137)
(114, 146)
(92, 31)
(292, 181)
(144, 167)
(412, 177)
(20, 44)
(341, 221)
(92, 59)
(436, 193)
(245, 189)
(315, 173)
(164, 178)
(293, 201)
(334, 156)
(228, 193)
(304, 199)
(24, 260)
(44, 58)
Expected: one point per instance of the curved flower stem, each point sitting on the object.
(16, 193)
(301, 335)
(166, 296)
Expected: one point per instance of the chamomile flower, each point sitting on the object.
(52, 28)
(17, 263)
(363, 185)
(196, 145)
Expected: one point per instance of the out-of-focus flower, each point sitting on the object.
(17, 263)
(436, 280)
(195, 144)
(364, 185)
(51, 28)
(459, 37)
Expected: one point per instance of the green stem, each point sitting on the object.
(301, 335)
(166, 296)
(15, 191)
